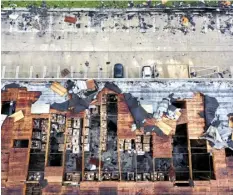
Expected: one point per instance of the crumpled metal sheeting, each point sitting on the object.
(11, 85)
(213, 136)
(112, 86)
(230, 144)
(211, 105)
(60, 106)
(138, 112)
(219, 136)
(224, 131)
(162, 108)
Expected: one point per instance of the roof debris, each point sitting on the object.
(3, 117)
(70, 19)
(81, 94)
(211, 105)
(40, 108)
(17, 116)
(58, 88)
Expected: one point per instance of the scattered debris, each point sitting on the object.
(79, 85)
(13, 16)
(185, 21)
(65, 71)
(91, 85)
(70, 19)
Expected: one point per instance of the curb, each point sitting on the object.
(194, 9)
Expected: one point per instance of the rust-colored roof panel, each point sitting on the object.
(183, 118)
(91, 84)
(13, 189)
(54, 174)
(18, 166)
(150, 121)
(196, 124)
(6, 133)
(52, 189)
(24, 106)
(4, 165)
(125, 120)
(28, 95)
(162, 146)
(124, 130)
(10, 94)
(70, 190)
(75, 115)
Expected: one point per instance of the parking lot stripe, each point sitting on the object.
(58, 71)
(154, 22)
(71, 71)
(17, 72)
(3, 71)
(30, 72)
(139, 73)
(44, 71)
(50, 23)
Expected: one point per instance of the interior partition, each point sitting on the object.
(109, 155)
(56, 140)
(180, 153)
(38, 149)
(73, 152)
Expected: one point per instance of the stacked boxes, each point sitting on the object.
(73, 135)
(103, 119)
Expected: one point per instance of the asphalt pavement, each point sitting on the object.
(41, 44)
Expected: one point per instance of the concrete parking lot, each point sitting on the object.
(106, 38)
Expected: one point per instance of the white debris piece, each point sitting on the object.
(40, 108)
(76, 149)
(163, 107)
(93, 167)
(13, 16)
(3, 117)
(81, 85)
(173, 115)
(148, 107)
(133, 127)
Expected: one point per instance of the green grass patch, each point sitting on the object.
(95, 4)
(51, 4)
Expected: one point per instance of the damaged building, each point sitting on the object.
(117, 137)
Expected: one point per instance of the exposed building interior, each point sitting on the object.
(120, 137)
